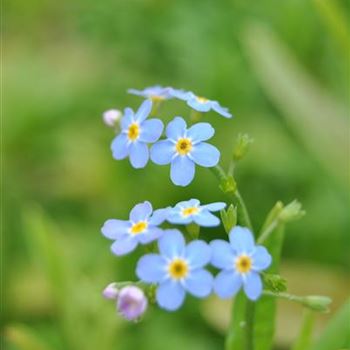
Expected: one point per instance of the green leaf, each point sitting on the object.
(265, 308)
(304, 339)
(337, 333)
(235, 338)
(229, 218)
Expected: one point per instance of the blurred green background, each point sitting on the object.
(281, 67)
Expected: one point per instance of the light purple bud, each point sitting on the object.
(132, 302)
(111, 117)
(111, 291)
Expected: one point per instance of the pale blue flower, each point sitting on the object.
(177, 269)
(200, 104)
(141, 228)
(136, 133)
(241, 261)
(155, 93)
(184, 148)
(191, 211)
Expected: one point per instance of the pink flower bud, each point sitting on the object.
(111, 291)
(132, 302)
(111, 117)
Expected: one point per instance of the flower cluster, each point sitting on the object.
(177, 264)
(176, 267)
(183, 148)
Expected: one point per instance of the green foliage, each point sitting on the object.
(337, 333)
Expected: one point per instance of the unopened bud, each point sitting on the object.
(132, 302)
(241, 147)
(291, 212)
(317, 303)
(229, 218)
(111, 117)
(111, 291)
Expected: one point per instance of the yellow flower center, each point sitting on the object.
(156, 98)
(133, 132)
(202, 99)
(189, 211)
(178, 269)
(243, 264)
(183, 146)
(139, 227)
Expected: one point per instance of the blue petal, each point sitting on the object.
(205, 154)
(206, 219)
(171, 244)
(141, 211)
(175, 217)
(227, 284)
(150, 235)
(120, 147)
(221, 110)
(198, 253)
(124, 245)
(261, 258)
(159, 216)
(193, 202)
(182, 171)
(181, 94)
(241, 239)
(127, 119)
(199, 106)
(114, 229)
(138, 154)
(135, 92)
(253, 286)
(151, 130)
(151, 268)
(176, 128)
(200, 132)
(144, 111)
(170, 295)
(222, 255)
(162, 152)
(214, 206)
(199, 283)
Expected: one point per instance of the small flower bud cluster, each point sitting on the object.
(131, 301)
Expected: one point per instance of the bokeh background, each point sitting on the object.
(281, 67)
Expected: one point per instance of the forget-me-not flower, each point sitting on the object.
(241, 261)
(155, 93)
(191, 211)
(177, 269)
(136, 133)
(200, 104)
(141, 228)
(184, 148)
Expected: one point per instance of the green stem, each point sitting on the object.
(236, 198)
(249, 318)
(243, 308)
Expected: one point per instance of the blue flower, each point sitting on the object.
(191, 211)
(140, 228)
(184, 148)
(155, 93)
(200, 104)
(177, 269)
(241, 261)
(136, 133)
